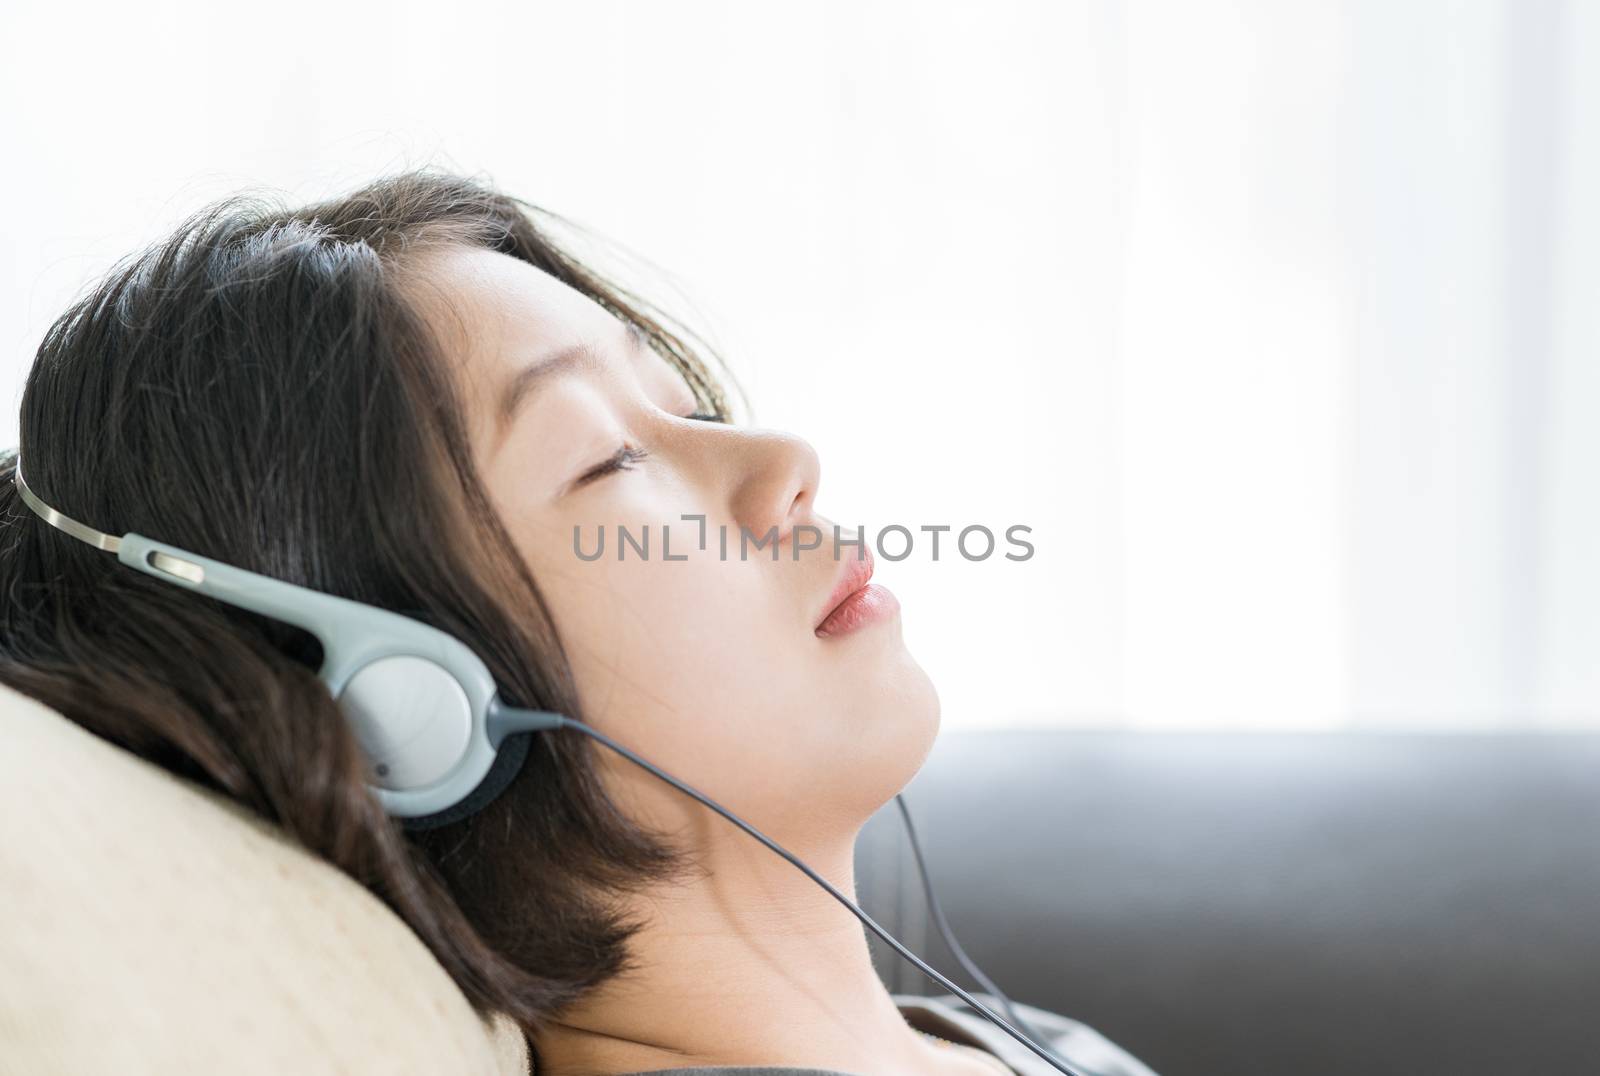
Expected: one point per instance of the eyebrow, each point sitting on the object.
(563, 361)
(558, 363)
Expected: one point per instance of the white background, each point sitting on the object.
(1279, 323)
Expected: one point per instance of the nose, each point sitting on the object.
(774, 482)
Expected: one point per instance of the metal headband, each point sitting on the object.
(83, 533)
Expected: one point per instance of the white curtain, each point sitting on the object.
(1279, 323)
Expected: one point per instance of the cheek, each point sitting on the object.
(698, 667)
(708, 668)
(692, 639)
(698, 664)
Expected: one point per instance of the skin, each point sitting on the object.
(708, 667)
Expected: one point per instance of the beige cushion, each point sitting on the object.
(150, 925)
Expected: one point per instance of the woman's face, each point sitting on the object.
(709, 665)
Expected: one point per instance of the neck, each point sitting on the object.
(750, 963)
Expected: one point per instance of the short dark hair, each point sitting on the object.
(257, 389)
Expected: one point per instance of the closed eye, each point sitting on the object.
(621, 460)
(625, 457)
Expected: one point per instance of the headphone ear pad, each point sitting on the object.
(508, 762)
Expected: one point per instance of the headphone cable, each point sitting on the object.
(949, 936)
(512, 720)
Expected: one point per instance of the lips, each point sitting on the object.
(854, 574)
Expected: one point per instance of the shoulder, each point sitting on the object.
(1082, 1046)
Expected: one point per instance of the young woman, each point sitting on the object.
(412, 397)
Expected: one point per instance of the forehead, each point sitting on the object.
(494, 314)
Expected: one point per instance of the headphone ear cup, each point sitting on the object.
(508, 763)
(416, 698)
(411, 717)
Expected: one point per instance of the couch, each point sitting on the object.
(152, 926)
(1227, 905)
(1251, 904)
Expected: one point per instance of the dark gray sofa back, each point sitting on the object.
(1268, 905)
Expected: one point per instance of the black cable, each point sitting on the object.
(949, 936)
(508, 719)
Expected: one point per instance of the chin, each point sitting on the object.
(905, 727)
(922, 708)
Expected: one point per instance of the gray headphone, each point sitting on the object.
(428, 717)
(423, 706)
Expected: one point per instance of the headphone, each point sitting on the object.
(428, 717)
